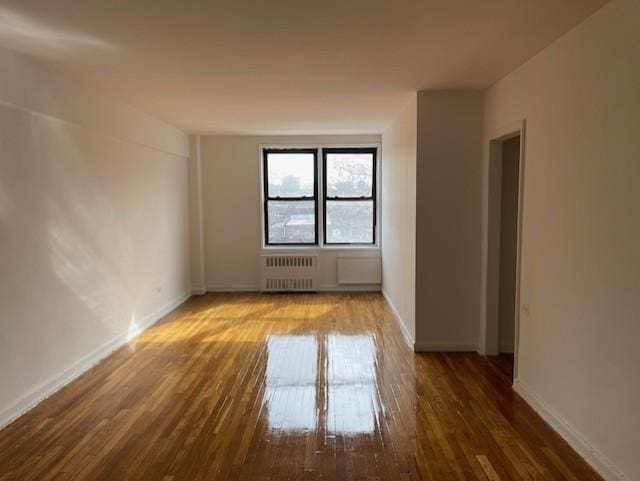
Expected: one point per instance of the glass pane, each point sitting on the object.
(349, 175)
(291, 221)
(349, 221)
(290, 174)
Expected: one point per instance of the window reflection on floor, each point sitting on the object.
(292, 369)
(347, 378)
(351, 384)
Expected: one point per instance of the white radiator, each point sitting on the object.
(288, 272)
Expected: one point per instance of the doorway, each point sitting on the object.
(508, 244)
(503, 256)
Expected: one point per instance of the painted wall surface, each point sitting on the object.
(578, 349)
(93, 227)
(399, 216)
(196, 234)
(448, 178)
(232, 209)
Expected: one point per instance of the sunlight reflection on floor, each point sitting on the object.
(353, 403)
(290, 395)
(349, 402)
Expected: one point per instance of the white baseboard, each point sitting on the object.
(234, 288)
(429, 346)
(322, 288)
(598, 461)
(38, 394)
(349, 288)
(403, 328)
(198, 291)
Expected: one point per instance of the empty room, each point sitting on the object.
(340, 240)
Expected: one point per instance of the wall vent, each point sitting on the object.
(288, 273)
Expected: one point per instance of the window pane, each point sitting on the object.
(349, 175)
(291, 222)
(290, 174)
(349, 221)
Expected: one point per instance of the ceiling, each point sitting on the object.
(284, 66)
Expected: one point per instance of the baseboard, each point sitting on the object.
(38, 394)
(598, 461)
(236, 288)
(429, 346)
(198, 291)
(349, 288)
(323, 288)
(403, 328)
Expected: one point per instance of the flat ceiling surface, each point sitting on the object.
(284, 66)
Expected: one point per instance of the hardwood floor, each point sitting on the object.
(285, 387)
(503, 365)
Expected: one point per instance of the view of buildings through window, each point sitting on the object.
(349, 196)
(291, 196)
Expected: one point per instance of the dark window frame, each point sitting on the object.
(373, 197)
(267, 197)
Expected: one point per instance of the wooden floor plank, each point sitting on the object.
(243, 386)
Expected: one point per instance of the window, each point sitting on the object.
(290, 179)
(291, 200)
(349, 176)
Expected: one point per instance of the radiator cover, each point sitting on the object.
(289, 273)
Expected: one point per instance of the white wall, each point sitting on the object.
(578, 350)
(93, 227)
(448, 177)
(196, 233)
(399, 216)
(232, 209)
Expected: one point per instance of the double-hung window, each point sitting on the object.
(291, 199)
(349, 195)
(290, 179)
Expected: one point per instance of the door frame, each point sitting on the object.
(488, 342)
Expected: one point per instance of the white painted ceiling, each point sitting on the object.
(284, 66)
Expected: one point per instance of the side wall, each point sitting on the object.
(93, 228)
(578, 350)
(232, 209)
(196, 234)
(449, 160)
(399, 217)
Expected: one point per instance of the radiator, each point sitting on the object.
(288, 272)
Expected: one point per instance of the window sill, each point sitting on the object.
(316, 249)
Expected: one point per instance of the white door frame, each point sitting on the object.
(491, 246)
